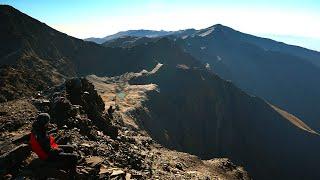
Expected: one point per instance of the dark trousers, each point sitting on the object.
(67, 148)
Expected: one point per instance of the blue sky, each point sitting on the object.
(292, 21)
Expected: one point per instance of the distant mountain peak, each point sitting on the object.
(220, 26)
(217, 28)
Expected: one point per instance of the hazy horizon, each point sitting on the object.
(293, 22)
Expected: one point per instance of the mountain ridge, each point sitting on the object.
(192, 30)
(135, 33)
(284, 75)
(138, 33)
(285, 80)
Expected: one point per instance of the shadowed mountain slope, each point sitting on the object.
(285, 80)
(34, 56)
(197, 112)
(271, 45)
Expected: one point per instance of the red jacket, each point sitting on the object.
(36, 147)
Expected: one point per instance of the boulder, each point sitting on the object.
(42, 170)
(106, 127)
(61, 108)
(94, 161)
(117, 173)
(74, 90)
(11, 159)
(42, 105)
(81, 92)
(179, 166)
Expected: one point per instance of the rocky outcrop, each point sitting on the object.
(80, 106)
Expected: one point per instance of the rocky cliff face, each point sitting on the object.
(197, 112)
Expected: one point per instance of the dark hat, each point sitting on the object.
(43, 119)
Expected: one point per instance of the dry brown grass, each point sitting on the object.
(116, 91)
(294, 120)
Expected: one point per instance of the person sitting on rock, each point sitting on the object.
(44, 145)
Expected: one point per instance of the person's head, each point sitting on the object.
(42, 122)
